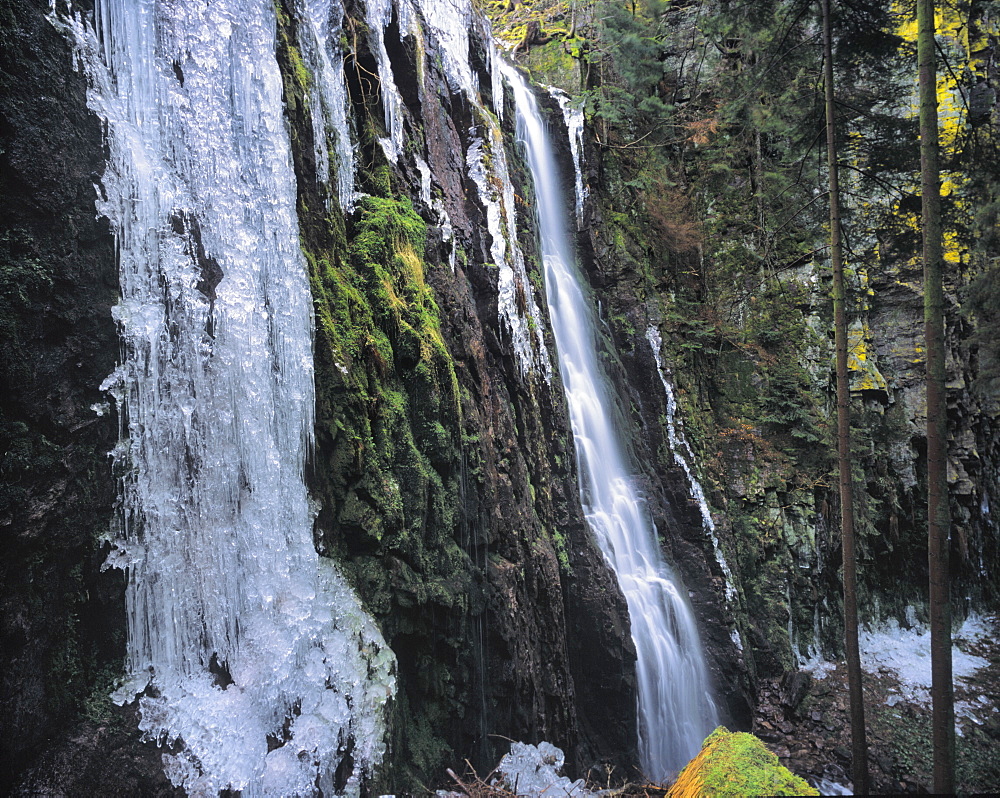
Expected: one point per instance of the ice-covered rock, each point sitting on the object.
(535, 770)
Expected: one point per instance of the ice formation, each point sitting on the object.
(684, 456)
(535, 770)
(251, 656)
(329, 102)
(487, 168)
(906, 652)
(378, 17)
(447, 24)
(573, 117)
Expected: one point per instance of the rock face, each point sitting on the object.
(62, 618)
(445, 469)
(444, 472)
(689, 232)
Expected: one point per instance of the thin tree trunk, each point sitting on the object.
(859, 742)
(938, 520)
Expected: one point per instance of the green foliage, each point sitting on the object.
(381, 340)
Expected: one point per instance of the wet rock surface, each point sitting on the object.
(100, 758)
(61, 617)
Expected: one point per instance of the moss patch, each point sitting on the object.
(736, 764)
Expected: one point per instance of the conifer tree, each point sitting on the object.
(938, 520)
(859, 743)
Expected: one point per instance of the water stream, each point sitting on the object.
(675, 710)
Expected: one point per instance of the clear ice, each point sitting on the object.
(322, 52)
(252, 658)
(573, 117)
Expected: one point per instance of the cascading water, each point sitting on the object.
(252, 657)
(684, 457)
(675, 711)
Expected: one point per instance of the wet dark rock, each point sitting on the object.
(188, 227)
(794, 687)
(100, 758)
(62, 628)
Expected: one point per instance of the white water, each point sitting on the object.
(446, 26)
(684, 456)
(321, 49)
(258, 664)
(486, 162)
(675, 711)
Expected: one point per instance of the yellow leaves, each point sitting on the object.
(954, 250)
(961, 49)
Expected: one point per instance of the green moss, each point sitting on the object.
(553, 63)
(388, 435)
(734, 765)
(559, 543)
(295, 73)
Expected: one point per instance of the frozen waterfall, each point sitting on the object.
(676, 711)
(251, 656)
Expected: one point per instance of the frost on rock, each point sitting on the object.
(449, 24)
(487, 165)
(534, 770)
(257, 664)
(907, 654)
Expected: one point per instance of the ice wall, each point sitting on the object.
(252, 657)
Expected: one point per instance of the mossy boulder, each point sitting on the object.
(736, 764)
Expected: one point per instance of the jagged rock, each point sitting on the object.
(794, 687)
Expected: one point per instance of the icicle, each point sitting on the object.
(262, 661)
(574, 126)
(516, 298)
(379, 15)
(325, 58)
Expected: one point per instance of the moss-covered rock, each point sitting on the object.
(736, 765)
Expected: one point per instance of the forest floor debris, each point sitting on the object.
(810, 732)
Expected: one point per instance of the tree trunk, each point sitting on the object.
(859, 743)
(938, 520)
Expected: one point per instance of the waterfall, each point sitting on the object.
(684, 457)
(675, 708)
(253, 660)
